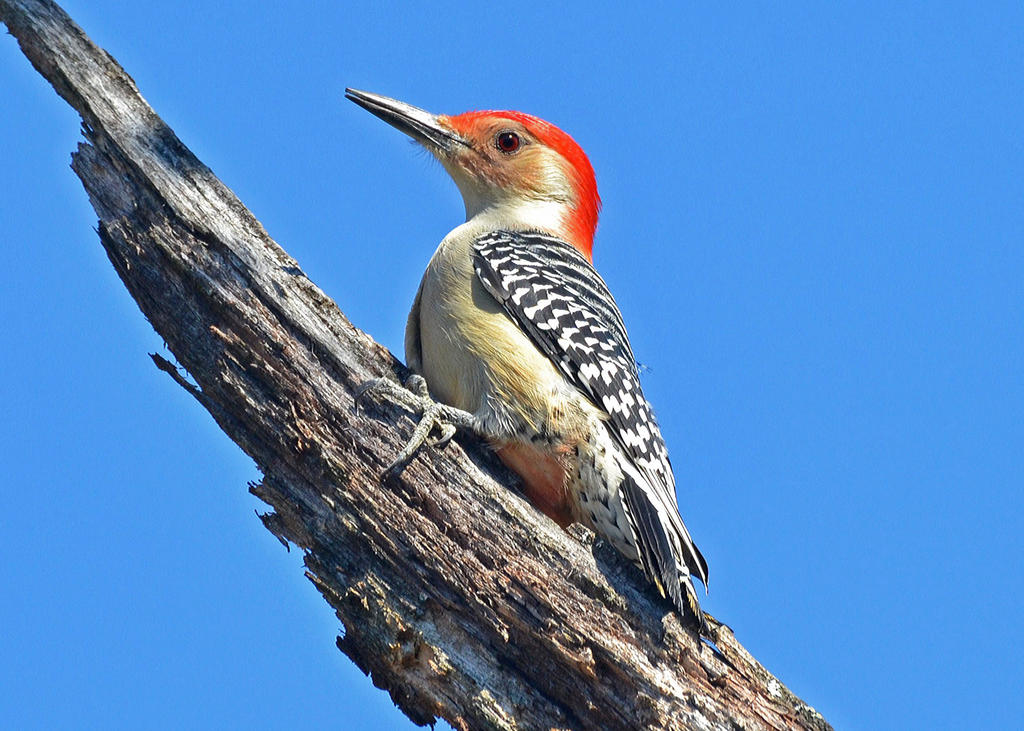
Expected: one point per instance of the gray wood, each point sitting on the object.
(459, 598)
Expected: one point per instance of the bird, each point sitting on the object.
(513, 335)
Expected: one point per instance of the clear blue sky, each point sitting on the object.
(813, 223)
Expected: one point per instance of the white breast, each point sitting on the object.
(474, 357)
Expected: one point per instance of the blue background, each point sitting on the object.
(812, 223)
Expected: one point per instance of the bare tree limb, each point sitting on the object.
(456, 596)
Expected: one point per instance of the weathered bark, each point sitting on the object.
(456, 596)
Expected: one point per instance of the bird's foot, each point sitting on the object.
(415, 397)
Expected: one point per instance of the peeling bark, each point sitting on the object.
(456, 596)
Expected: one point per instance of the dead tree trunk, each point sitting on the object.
(456, 596)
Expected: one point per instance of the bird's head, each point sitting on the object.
(522, 172)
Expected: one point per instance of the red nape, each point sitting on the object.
(582, 222)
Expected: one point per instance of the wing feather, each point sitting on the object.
(560, 301)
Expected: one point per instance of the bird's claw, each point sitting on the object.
(387, 389)
(418, 385)
(415, 397)
(447, 432)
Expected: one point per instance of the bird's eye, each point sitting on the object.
(507, 142)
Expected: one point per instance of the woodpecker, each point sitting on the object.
(514, 335)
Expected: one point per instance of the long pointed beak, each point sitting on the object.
(419, 124)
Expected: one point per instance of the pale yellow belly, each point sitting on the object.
(474, 357)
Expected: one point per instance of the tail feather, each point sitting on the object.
(689, 607)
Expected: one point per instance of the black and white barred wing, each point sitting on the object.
(560, 301)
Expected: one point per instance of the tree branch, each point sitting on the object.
(456, 596)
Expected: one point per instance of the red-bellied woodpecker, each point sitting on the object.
(517, 337)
